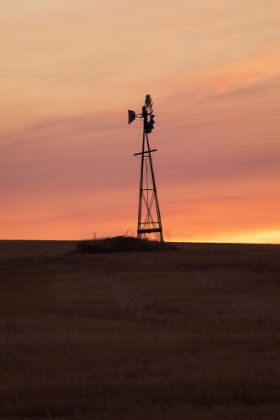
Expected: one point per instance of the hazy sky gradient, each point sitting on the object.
(69, 72)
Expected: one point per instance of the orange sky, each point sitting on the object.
(69, 72)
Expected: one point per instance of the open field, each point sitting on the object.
(22, 249)
(171, 335)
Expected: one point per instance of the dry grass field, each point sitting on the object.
(170, 335)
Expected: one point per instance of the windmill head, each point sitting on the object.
(147, 115)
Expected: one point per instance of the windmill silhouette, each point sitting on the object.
(149, 219)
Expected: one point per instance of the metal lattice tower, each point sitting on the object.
(149, 219)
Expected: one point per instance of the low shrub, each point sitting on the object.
(119, 244)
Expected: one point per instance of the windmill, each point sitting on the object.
(149, 220)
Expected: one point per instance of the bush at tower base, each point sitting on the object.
(120, 244)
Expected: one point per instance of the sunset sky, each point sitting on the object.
(71, 69)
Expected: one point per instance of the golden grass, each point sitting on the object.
(188, 334)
